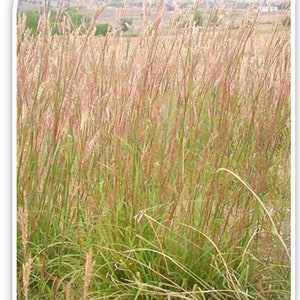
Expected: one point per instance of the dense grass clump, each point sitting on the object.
(154, 167)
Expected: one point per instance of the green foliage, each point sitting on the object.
(169, 7)
(33, 17)
(117, 3)
(181, 22)
(32, 20)
(79, 20)
(125, 24)
(184, 5)
(286, 21)
(102, 29)
(242, 5)
(198, 20)
(284, 5)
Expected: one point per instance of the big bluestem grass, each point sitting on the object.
(167, 156)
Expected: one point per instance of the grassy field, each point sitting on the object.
(154, 167)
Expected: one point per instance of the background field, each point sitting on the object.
(155, 166)
(227, 11)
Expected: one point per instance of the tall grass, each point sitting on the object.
(154, 167)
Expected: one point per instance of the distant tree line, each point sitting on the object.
(213, 19)
(79, 22)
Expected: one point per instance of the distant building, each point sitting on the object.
(268, 9)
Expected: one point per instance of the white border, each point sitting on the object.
(6, 150)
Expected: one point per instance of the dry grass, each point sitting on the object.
(89, 265)
(26, 268)
(119, 143)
